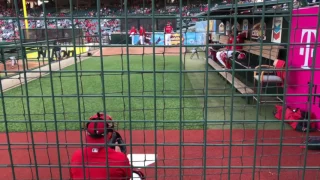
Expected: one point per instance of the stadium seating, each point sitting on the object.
(7, 32)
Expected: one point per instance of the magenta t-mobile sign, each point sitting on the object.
(308, 37)
(302, 51)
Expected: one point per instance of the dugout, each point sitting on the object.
(146, 22)
(8, 49)
(259, 50)
(63, 35)
(254, 14)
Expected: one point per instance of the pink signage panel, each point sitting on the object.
(301, 52)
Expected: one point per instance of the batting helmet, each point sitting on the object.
(223, 56)
(241, 56)
(101, 116)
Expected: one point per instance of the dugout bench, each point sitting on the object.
(270, 52)
(7, 52)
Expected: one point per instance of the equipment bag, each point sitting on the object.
(298, 119)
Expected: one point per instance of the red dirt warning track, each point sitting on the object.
(109, 51)
(169, 154)
(20, 66)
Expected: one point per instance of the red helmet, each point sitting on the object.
(241, 56)
(101, 116)
(223, 56)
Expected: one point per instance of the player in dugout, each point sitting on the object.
(168, 30)
(224, 54)
(103, 149)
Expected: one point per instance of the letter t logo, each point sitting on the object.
(307, 51)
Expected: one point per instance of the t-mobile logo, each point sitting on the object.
(307, 51)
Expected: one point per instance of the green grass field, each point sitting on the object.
(117, 99)
(59, 100)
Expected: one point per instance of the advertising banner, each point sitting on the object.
(301, 55)
(245, 27)
(201, 26)
(135, 38)
(158, 38)
(195, 38)
(175, 38)
(228, 28)
(190, 38)
(276, 29)
(259, 31)
(221, 28)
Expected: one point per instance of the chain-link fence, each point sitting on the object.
(193, 90)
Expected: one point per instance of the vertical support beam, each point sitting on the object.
(25, 15)
(56, 3)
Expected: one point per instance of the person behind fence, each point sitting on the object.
(194, 51)
(56, 50)
(132, 32)
(13, 61)
(168, 30)
(142, 35)
(225, 53)
(101, 150)
(88, 37)
(41, 52)
(105, 36)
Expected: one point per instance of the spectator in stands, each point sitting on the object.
(132, 32)
(167, 31)
(96, 153)
(142, 35)
(312, 1)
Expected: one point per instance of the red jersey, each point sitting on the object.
(239, 39)
(133, 30)
(142, 32)
(168, 29)
(100, 159)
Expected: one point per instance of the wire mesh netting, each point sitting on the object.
(193, 90)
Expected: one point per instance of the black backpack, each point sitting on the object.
(302, 126)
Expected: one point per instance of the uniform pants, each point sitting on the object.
(167, 38)
(229, 54)
(132, 39)
(13, 60)
(141, 40)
